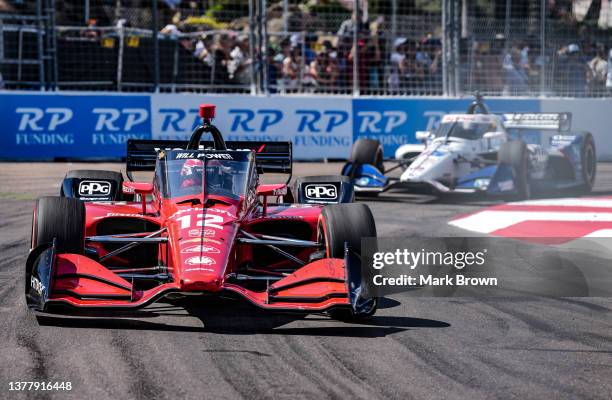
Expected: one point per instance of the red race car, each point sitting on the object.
(205, 225)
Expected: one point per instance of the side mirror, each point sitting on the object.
(279, 189)
(139, 188)
(272, 190)
(422, 135)
(493, 135)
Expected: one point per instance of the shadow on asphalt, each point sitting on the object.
(410, 198)
(236, 318)
(385, 302)
(99, 322)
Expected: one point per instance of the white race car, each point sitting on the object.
(509, 154)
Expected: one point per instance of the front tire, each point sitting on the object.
(62, 219)
(368, 151)
(340, 223)
(347, 223)
(588, 163)
(516, 155)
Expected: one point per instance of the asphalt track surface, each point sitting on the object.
(413, 348)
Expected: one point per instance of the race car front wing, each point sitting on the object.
(78, 281)
(492, 179)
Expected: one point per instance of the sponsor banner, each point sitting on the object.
(46, 126)
(319, 127)
(394, 121)
(89, 126)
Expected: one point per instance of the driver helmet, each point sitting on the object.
(191, 173)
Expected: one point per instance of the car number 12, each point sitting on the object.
(208, 220)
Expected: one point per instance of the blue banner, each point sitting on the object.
(71, 126)
(42, 126)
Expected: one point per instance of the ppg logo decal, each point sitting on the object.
(321, 191)
(94, 188)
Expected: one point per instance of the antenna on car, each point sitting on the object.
(479, 104)
(207, 113)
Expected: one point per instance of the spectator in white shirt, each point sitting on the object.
(598, 69)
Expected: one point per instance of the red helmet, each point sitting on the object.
(191, 167)
(191, 173)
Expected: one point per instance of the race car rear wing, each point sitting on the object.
(561, 122)
(270, 157)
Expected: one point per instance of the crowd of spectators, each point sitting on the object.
(405, 61)
(583, 71)
(308, 62)
(571, 70)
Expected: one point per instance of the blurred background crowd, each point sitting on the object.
(391, 47)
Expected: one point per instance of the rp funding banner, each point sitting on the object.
(48, 126)
(318, 127)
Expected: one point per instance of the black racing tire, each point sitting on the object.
(96, 174)
(515, 154)
(368, 151)
(340, 223)
(589, 162)
(322, 178)
(61, 218)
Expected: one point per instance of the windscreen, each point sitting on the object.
(469, 130)
(221, 173)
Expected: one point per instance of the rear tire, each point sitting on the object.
(60, 218)
(95, 174)
(348, 223)
(368, 151)
(516, 155)
(589, 163)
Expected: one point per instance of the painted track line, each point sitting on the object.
(569, 218)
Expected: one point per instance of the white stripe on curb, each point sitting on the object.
(491, 220)
(569, 202)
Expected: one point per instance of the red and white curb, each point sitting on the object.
(549, 218)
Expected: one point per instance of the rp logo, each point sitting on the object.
(35, 119)
(94, 188)
(114, 120)
(321, 192)
(380, 122)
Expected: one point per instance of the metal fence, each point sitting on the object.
(353, 47)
